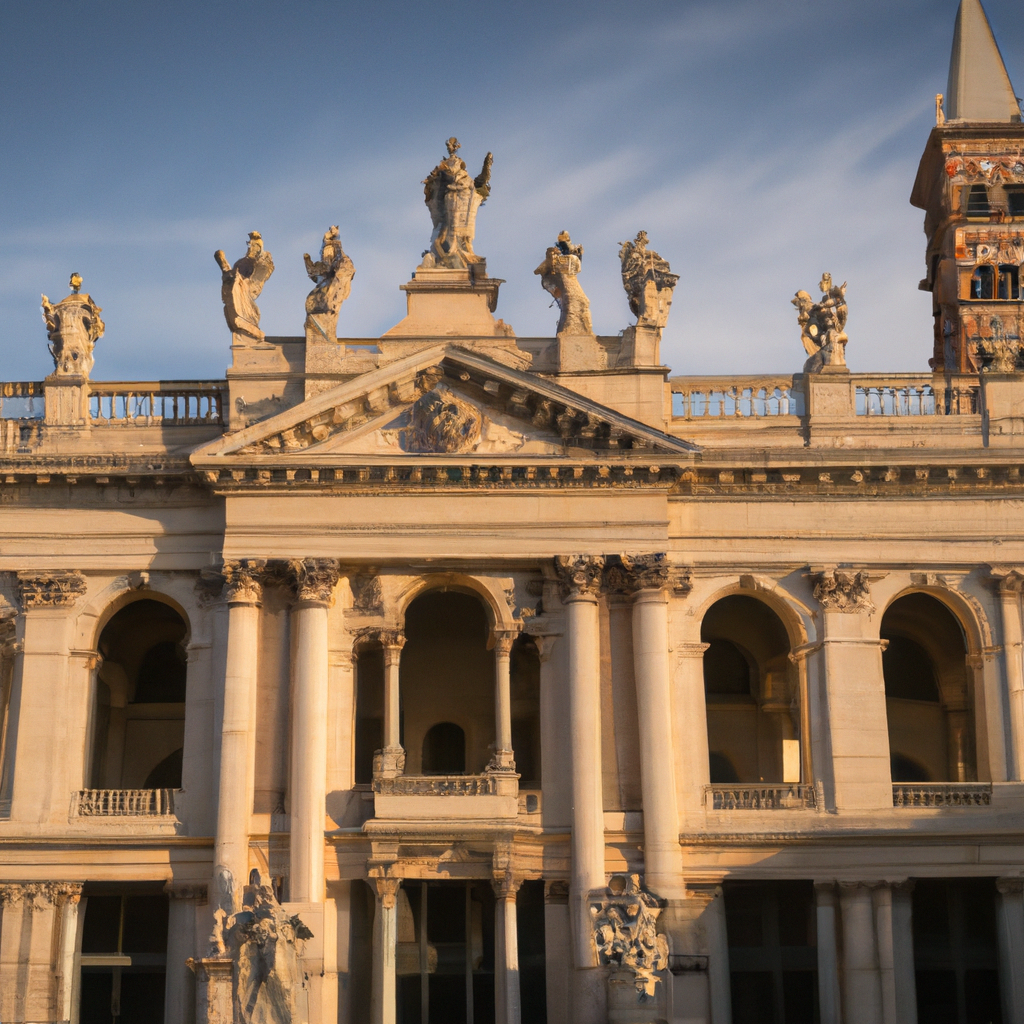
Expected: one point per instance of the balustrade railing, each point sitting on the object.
(159, 403)
(122, 803)
(786, 797)
(941, 794)
(21, 400)
(695, 398)
(915, 395)
(437, 785)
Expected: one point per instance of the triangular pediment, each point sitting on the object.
(443, 401)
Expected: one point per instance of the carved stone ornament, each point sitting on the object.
(627, 574)
(332, 276)
(579, 575)
(241, 285)
(50, 590)
(558, 275)
(648, 281)
(28, 893)
(263, 942)
(1000, 350)
(625, 919)
(367, 594)
(315, 579)
(243, 582)
(453, 199)
(822, 325)
(443, 422)
(387, 891)
(73, 326)
(842, 590)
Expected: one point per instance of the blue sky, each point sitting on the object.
(758, 143)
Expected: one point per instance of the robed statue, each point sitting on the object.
(241, 285)
(332, 279)
(453, 198)
(822, 326)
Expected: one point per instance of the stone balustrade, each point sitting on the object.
(736, 397)
(941, 794)
(122, 803)
(790, 796)
(157, 403)
(915, 394)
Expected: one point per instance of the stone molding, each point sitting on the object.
(315, 579)
(842, 590)
(629, 574)
(50, 589)
(580, 577)
(186, 891)
(1009, 579)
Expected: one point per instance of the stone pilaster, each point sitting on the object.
(385, 949)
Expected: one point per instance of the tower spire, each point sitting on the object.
(979, 88)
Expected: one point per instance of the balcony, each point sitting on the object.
(941, 794)
(416, 797)
(788, 797)
(123, 803)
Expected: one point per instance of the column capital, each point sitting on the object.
(314, 579)
(391, 639)
(506, 885)
(579, 576)
(1009, 578)
(503, 641)
(243, 581)
(1010, 886)
(386, 888)
(50, 589)
(691, 650)
(636, 574)
(842, 590)
(194, 891)
(851, 888)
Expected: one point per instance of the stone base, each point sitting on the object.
(214, 989)
(641, 346)
(1002, 408)
(581, 352)
(66, 400)
(627, 1006)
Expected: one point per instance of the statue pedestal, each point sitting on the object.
(580, 352)
(214, 989)
(627, 1006)
(1002, 408)
(831, 408)
(66, 399)
(641, 346)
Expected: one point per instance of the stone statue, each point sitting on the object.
(453, 198)
(73, 326)
(262, 940)
(625, 919)
(822, 326)
(332, 275)
(241, 286)
(649, 282)
(562, 263)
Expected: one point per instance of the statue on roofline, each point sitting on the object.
(73, 326)
(562, 262)
(241, 285)
(332, 276)
(453, 198)
(822, 326)
(649, 282)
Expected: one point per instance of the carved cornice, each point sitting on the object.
(842, 590)
(579, 576)
(243, 581)
(50, 589)
(315, 579)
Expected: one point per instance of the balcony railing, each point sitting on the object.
(909, 394)
(758, 798)
(695, 398)
(941, 794)
(437, 785)
(21, 400)
(157, 403)
(122, 803)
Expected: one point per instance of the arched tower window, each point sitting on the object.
(927, 692)
(139, 711)
(751, 690)
(977, 202)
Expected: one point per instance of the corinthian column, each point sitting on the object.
(504, 757)
(390, 761)
(385, 950)
(649, 576)
(580, 583)
(1011, 581)
(315, 580)
(243, 592)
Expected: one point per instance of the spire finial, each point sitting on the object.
(979, 88)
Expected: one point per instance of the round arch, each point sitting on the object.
(488, 589)
(789, 610)
(970, 619)
(118, 594)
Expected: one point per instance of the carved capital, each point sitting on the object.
(50, 589)
(243, 581)
(1010, 886)
(315, 579)
(1010, 579)
(366, 594)
(506, 885)
(387, 891)
(503, 641)
(579, 576)
(196, 892)
(556, 892)
(391, 639)
(843, 590)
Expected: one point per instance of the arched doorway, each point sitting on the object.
(139, 710)
(928, 699)
(751, 691)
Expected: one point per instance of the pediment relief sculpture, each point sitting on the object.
(73, 326)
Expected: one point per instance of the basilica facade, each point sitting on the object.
(462, 676)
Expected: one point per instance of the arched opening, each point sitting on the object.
(447, 676)
(444, 750)
(1009, 285)
(139, 710)
(928, 698)
(751, 688)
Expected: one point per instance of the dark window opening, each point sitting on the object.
(722, 769)
(444, 750)
(162, 675)
(906, 769)
(977, 202)
(1015, 200)
(1009, 283)
(167, 774)
(726, 670)
(956, 959)
(908, 670)
(983, 283)
(772, 936)
(369, 736)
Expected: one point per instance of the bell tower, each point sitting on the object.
(971, 186)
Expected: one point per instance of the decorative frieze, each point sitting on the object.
(50, 589)
(842, 590)
(315, 579)
(34, 895)
(625, 919)
(579, 576)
